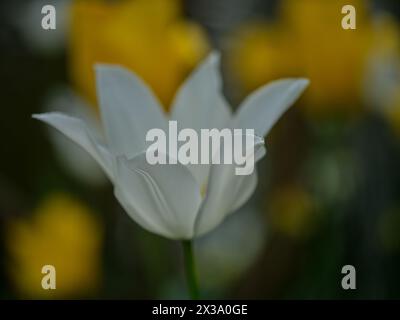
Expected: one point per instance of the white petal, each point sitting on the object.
(147, 222)
(200, 104)
(128, 109)
(66, 101)
(74, 158)
(223, 189)
(166, 197)
(76, 130)
(262, 109)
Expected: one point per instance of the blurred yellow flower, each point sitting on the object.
(62, 233)
(150, 37)
(260, 54)
(292, 211)
(307, 39)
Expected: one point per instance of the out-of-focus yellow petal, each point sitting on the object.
(333, 58)
(318, 15)
(62, 233)
(261, 53)
(150, 37)
(307, 40)
(87, 21)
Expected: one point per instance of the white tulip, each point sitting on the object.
(174, 200)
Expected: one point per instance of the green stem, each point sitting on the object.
(190, 267)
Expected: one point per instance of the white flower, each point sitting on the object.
(175, 201)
